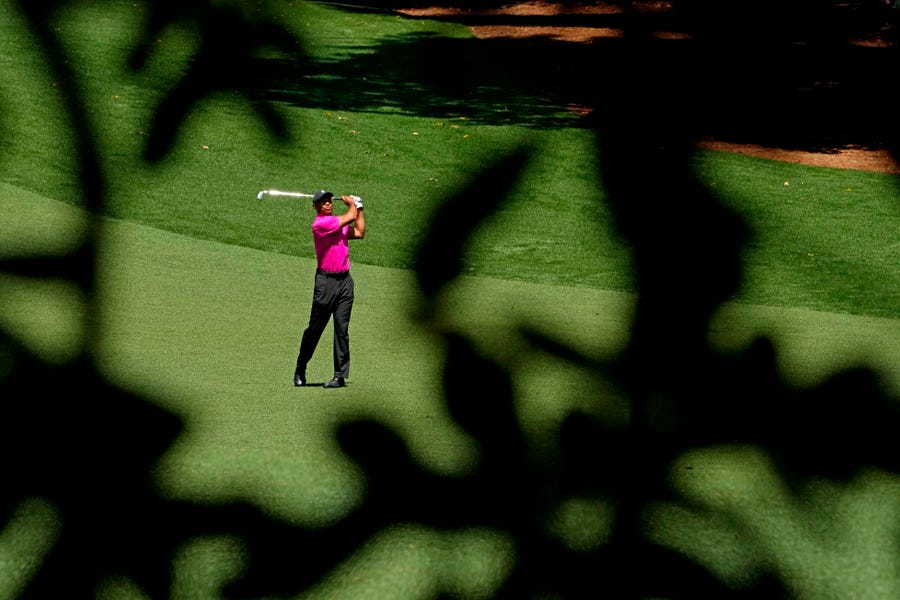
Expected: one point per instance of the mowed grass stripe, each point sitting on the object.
(822, 238)
(210, 331)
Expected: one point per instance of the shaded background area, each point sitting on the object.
(765, 76)
(814, 75)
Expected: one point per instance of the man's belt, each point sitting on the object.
(334, 275)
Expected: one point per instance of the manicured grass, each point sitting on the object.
(823, 238)
(826, 240)
(209, 331)
(205, 292)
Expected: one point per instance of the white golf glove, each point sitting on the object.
(358, 201)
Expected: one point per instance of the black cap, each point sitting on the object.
(322, 195)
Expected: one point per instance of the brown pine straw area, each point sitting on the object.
(838, 158)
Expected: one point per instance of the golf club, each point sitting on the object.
(265, 193)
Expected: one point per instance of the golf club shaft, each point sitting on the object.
(281, 193)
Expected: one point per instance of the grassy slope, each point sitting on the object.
(826, 241)
(823, 238)
(177, 310)
(208, 331)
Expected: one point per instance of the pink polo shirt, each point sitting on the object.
(332, 250)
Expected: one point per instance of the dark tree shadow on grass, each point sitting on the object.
(89, 448)
(780, 74)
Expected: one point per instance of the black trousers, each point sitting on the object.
(332, 297)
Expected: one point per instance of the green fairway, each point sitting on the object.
(209, 332)
(824, 239)
(203, 292)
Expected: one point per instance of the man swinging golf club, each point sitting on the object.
(333, 291)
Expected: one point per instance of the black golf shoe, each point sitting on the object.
(335, 382)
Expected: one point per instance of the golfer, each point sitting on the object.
(333, 291)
